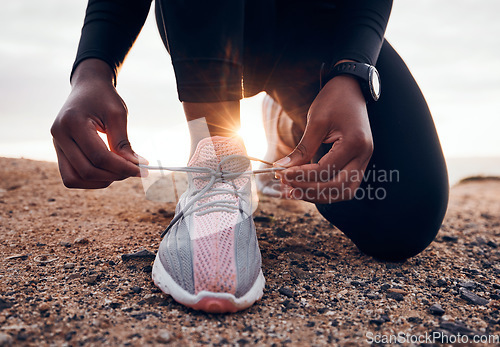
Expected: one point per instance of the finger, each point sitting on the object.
(71, 178)
(313, 137)
(336, 158)
(85, 169)
(116, 131)
(92, 146)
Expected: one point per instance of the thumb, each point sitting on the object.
(305, 150)
(119, 143)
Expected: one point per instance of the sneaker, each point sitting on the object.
(209, 258)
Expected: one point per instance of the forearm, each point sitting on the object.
(362, 30)
(109, 31)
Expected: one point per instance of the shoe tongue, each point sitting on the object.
(211, 150)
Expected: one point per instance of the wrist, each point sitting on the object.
(347, 86)
(366, 75)
(94, 70)
(344, 61)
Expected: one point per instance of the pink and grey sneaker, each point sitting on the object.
(209, 258)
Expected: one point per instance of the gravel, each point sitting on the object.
(320, 290)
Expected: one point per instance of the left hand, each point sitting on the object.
(338, 115)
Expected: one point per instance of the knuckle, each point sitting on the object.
(123, 144)
(54, 130)
(301, 150)
(67, 118)
(116, 112)
(362, 142)
(71, 182)
(86, 174)
(98, 159)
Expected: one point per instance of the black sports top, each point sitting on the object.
(222, 30)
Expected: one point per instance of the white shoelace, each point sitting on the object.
(213, 176)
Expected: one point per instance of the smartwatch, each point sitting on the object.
(367, 76)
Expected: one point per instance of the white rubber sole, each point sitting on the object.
(206, 301)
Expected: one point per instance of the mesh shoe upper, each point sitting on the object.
(214, 248)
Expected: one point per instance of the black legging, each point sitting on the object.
(405, 209)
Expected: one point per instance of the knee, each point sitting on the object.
(390, 233)
(407, 244)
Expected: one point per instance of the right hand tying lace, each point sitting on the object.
(93, 105)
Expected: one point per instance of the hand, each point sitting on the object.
(338, 115)
(93, 105)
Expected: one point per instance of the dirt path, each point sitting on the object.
(64, 281)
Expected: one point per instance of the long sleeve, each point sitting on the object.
(362, 30)
(110, 29)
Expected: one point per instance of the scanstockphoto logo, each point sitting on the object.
(431, 338)
(334, 185)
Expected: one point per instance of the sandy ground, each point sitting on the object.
(64, 280)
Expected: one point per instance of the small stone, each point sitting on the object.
(450, 238)
(6, 340)
(44, 307)
(5, 304)
(487, 216)
(436, 310)
(17, 256)
(286, 292)
(69, 335)
(492, 244)
(473, 298)
(384, 287)
(147, 269)
(467, 285)
(165, 213)
(136, 289)
(442, 282)
(262, 219)
(457, 328)
(379, 321)
(115, 304)
(397, 290)
(143, 254)
(65, 243)
(91, 279)
(69, 265)
(395, 296)
(372, 296)
(82, 241)
(164, 336)
(480, 240)
(280, 232)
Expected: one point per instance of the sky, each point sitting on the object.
(451, 46)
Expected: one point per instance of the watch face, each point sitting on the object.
(374, 80)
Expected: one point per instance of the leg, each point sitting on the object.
(406, 214)
(205, 41)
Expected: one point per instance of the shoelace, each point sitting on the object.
(213, 176)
